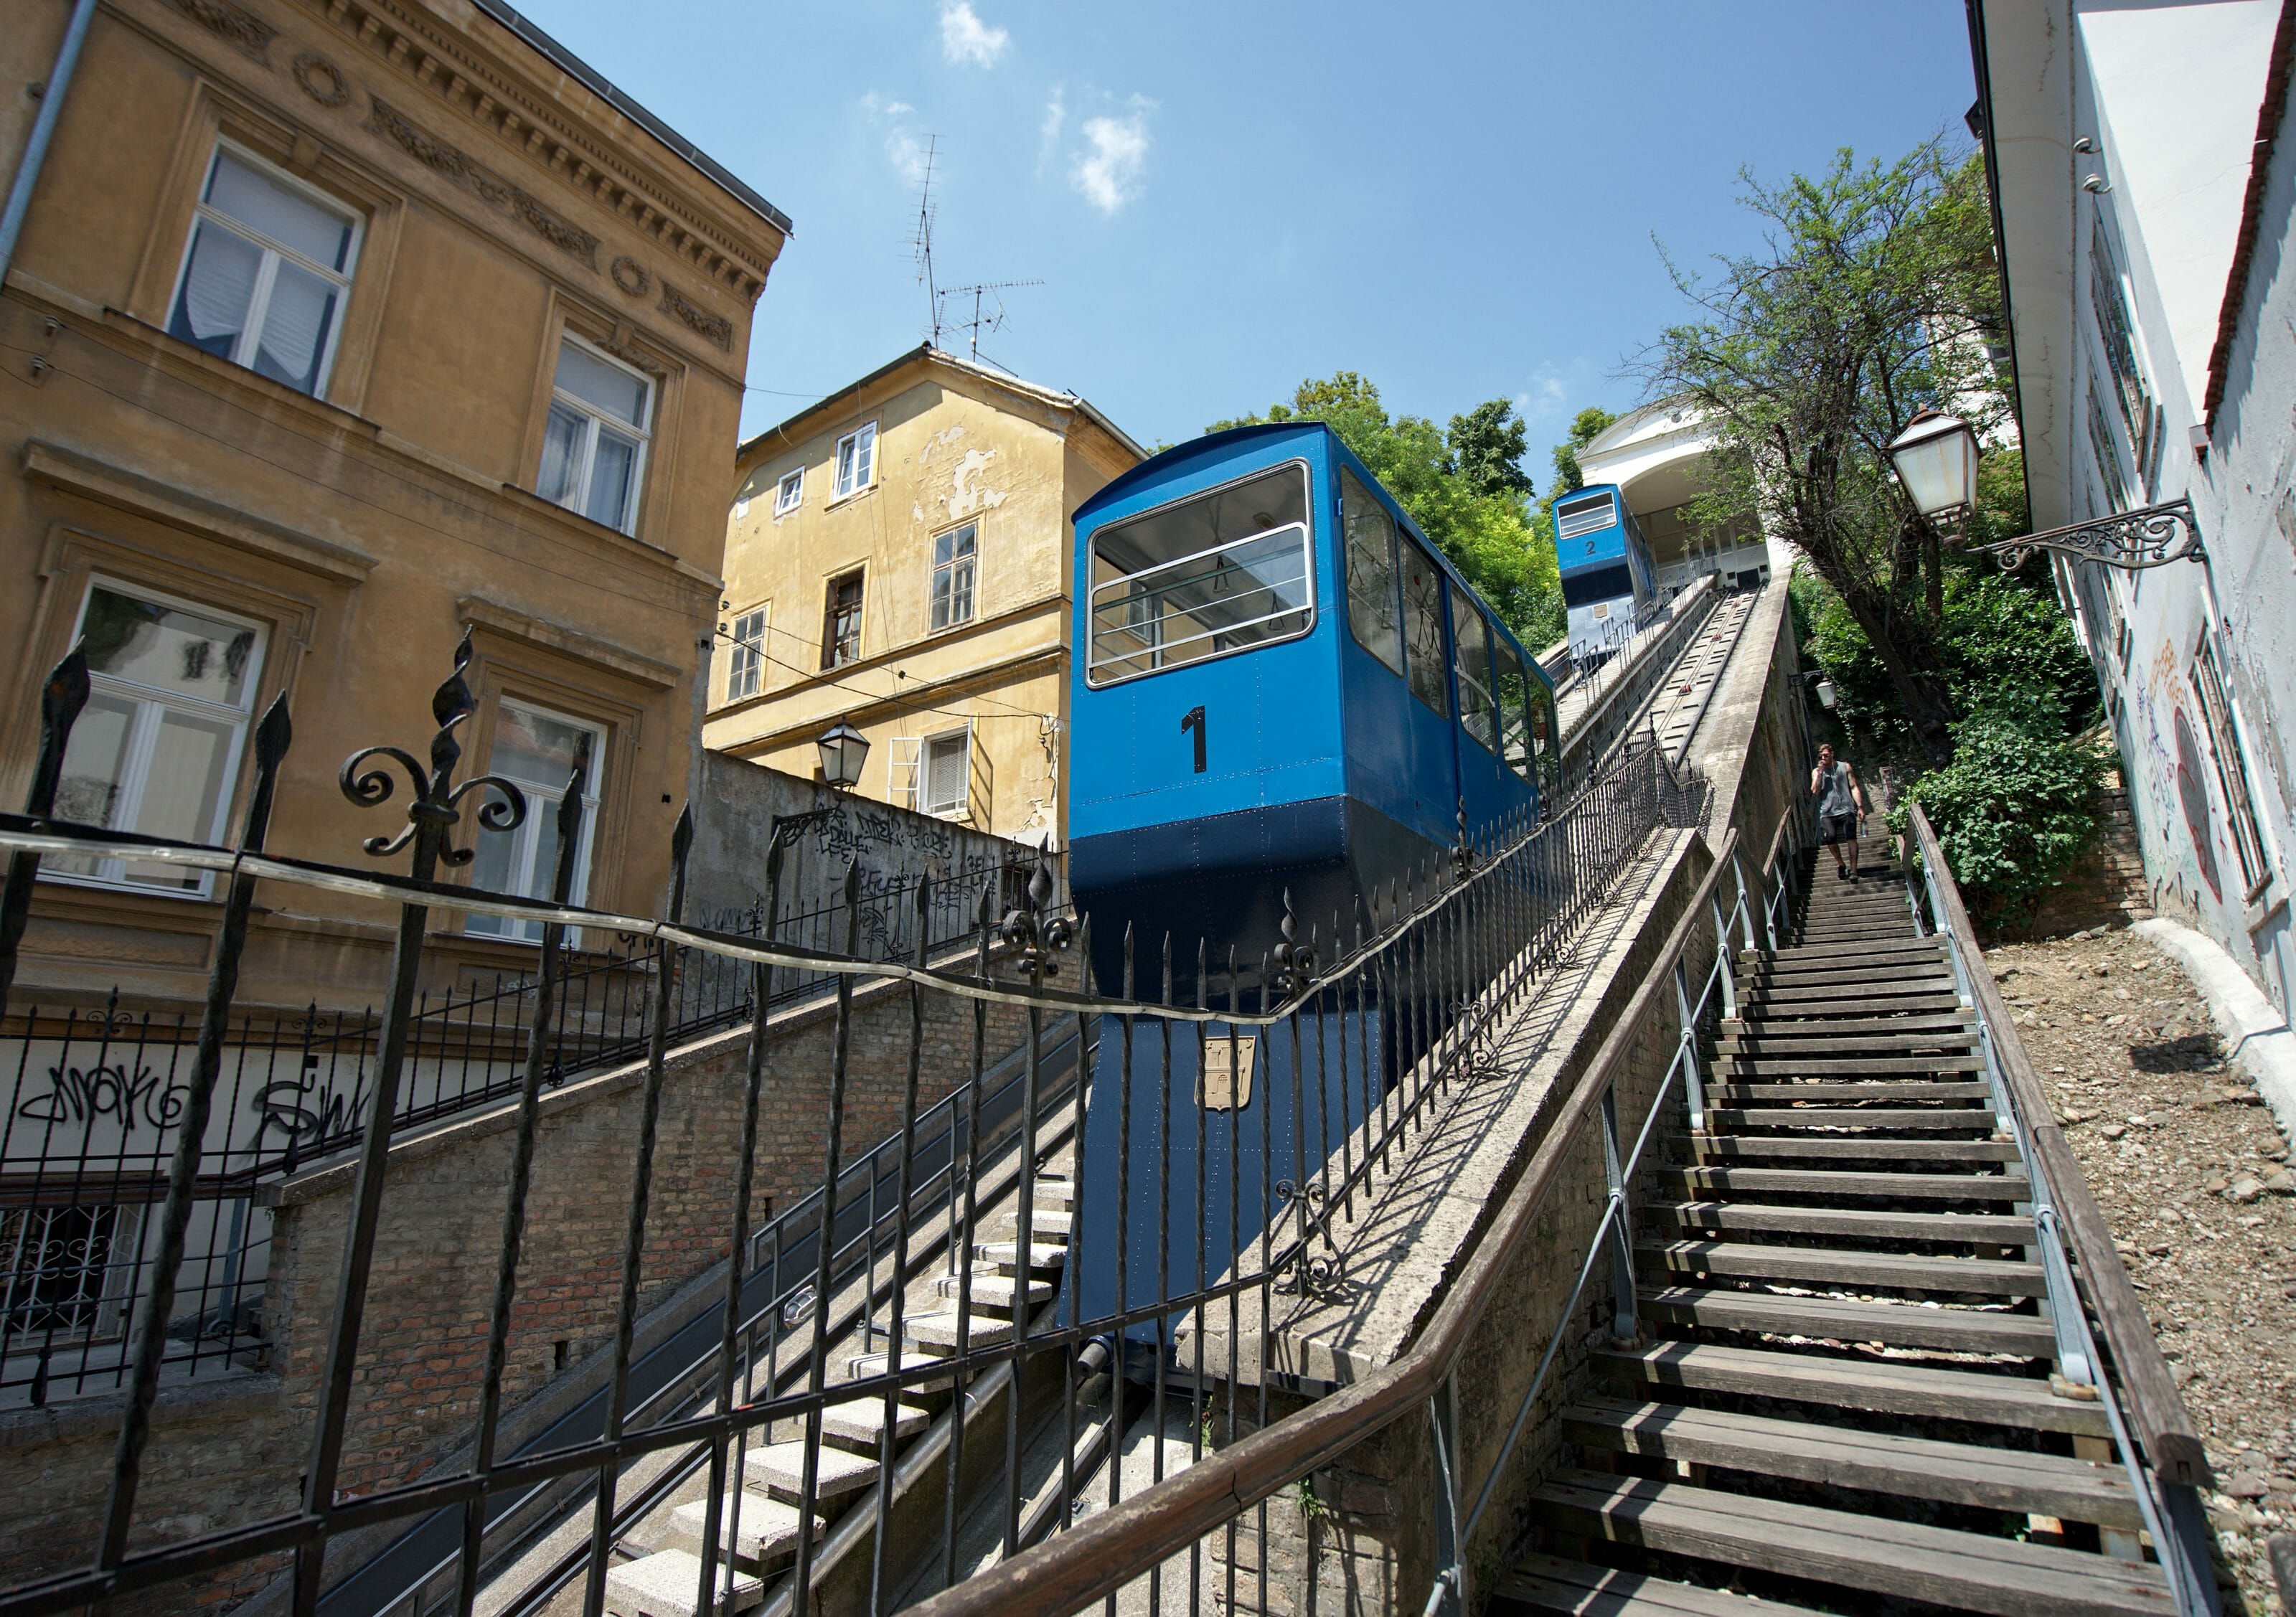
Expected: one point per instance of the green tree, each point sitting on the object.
(1445, 485)
(1586, 427)
(1874, 296)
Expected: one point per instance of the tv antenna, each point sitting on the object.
(988, 309)
(921, 243)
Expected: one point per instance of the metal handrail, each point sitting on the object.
(2167, 1451)
(1110, 1547)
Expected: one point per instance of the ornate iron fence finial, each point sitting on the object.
(436, 808)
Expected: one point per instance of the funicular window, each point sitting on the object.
(1374, 598)
(1422, 627)
(1218, 572)
(1588, 514)
(1514, 698)
(1471, 638)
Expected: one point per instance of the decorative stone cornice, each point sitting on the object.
(477, 85)
(467, 172)
(242, 29)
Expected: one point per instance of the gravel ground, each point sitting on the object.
(2194, 1178)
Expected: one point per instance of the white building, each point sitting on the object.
(2143, 207)
(1657, 456)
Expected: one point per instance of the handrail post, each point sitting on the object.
(1694, 1080)
(1623, 1326)
(1722, 957)
(1447, 1596)
(1748, 909)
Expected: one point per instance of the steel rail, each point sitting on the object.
(1112, 1546)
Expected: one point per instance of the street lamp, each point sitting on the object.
(843, 750)
(1827, 695)
(1936, 458)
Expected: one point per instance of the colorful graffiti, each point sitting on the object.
(2193, 793)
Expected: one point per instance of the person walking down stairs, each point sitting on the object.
(1841, 809)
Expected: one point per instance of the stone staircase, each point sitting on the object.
(1843, 1400)
(760, 1524)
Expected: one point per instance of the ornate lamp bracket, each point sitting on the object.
(2153, 536)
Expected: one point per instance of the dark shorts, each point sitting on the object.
(1837, 828)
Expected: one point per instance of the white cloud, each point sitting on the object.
(1548, 395)
(1048, 133)
(1108, 174)
(904, 148)
(967, 41)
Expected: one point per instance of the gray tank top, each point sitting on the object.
(1833, 796)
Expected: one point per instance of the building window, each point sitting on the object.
(535, 749)
(266, 273)
(2232, 771)
(857, 461)
(70, 1269)
(946, 786)
(2107, 455)
(789, 493)
(1373, 596)
(745, 667)
(2117, 333)
(594, 447)
(156, 750)
(841, 621)
(956, 560)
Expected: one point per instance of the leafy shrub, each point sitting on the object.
(2015, 807)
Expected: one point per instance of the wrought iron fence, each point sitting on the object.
(1355, 1043)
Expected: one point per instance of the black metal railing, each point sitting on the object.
(1355, 1044)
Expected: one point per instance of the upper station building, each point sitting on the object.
(2144, 192)
(898, 560)
(336, 332)
(1657, 456)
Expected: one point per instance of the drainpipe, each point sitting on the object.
(44, 130)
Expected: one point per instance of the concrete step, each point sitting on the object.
(881, 1362)
(759, 1531)
(1043, 1256)
(779, 1468)
(937, 1332)
(993, 1291)
(860, 1424)
(664, 1585)
(1052, 1225)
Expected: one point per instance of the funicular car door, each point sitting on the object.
(1488, 788)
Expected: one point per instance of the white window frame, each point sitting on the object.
(969, 563)
(789, 493)
(542, 798)
(135, 773)
(746, 663)
(267, 273)
(861, 475)
(593, 421)
(961, 809)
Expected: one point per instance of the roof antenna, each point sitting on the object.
(921, 243)
(987, 310)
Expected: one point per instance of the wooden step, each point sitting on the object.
(1826, 1092)
(1972, 1571)
(1883, 1386)
(1764, 1040)
(1822, 1062)
(1849, 1000)
(664, 1584)
(766, 1530)
(1723, 1179)
(1734, 1147)
(1784, 1027)
(1548, 1583)
(1826, 968)
(1898, 1324)
(861, 1422)
(779, 1468)
(1982, 1477)
(1820, 1266)
(1933, 1118)
(1764, 1218)
(1911, 949)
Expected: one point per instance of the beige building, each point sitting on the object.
(898, 559)
(334, 332)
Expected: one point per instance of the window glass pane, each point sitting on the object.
(534, 749)
(1473, 642)
(292, 220)
(219, 281)
(497, 866)
(168, 648)
(1212, 573)
(182, 791)
(295, 324)
(864, 456)
(845, 453)
(561, 454)
(613, 468)
(1422, 627)
(1372, 609)
(946, 764)
(791, 491)
(88, 793)
(1514, 695)
(604, 387)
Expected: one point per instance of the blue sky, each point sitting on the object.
(1222, 198)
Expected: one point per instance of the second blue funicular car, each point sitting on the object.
(1280, 685)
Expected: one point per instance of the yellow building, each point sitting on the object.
(899, 559)
(335, 331)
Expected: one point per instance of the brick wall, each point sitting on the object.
(230, 1452)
